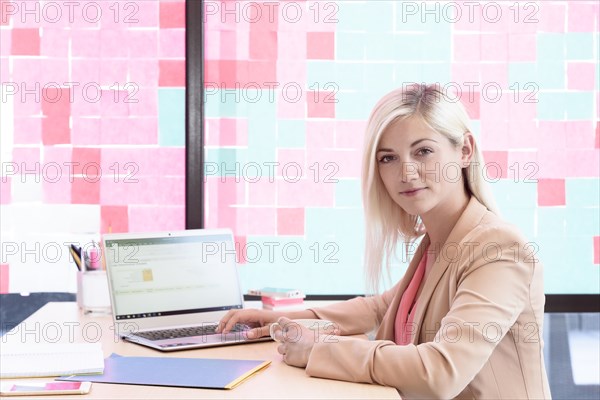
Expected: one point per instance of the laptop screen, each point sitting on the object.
(161, 276)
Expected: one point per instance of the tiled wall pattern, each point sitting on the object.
(289, 87)
(92, 118)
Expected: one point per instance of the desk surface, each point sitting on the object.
(63, 322)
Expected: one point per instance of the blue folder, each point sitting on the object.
(208, 373)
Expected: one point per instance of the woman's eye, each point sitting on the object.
(424, 151)
(386, 159)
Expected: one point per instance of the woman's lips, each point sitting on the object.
(412, 192)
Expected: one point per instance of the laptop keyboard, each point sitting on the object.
(187, 332)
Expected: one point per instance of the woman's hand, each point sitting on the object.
(257, 319)
(297, 341)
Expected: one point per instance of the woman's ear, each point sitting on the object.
(468, 148)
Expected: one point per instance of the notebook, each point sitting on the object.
(169, 290)
(171, 371)
(56, 359)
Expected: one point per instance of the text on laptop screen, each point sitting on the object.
(172, 275)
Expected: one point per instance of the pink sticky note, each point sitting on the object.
(25, 42)
(113, 70)
(522, 47)
(172, 14)
(263, 222)
(582, 16)
(494, 74)
(523, 166)
(525, 109)
(552, 163)
(580, 134)
(171, 73)
(496, 164)
(320, 134)
(143, 130)
(171, 161)
(27, 158)
(27, 70)
(56, 130)
(494, 135)
(291, 163)
(114, 43)
(469, 20)
(156, 218)
(212, 45)
(349, 134)
(287, 109)
(227, 132)
(4, 68)
(143, 43)
(552, 134)
(146, 16)
(465, 72)
(582, 163)
(240, 248)
(290, 221)
(131, 163)
(467, 47)
(86, 162)
(291, 75)
(56, 101)
(86, 131)
(320, 45)
(305, 193)
(28, 130)
(260, 71)
(495, 17)
(227, 44)
(494, 104)
(172, 43)
(55, 42)
(142, 102)
(86, 72)
(596, 249)
(5, 40)
(115, 103)
(5, 190)
(552, 16)
(85, 42)
(327, 166)
(523, 135)
(58, 155)
(114, 219)
(84, 191)
(56, 70)
(551, 192)
(320, 104)
(581, 76)
(4, 278)
(471, 100)
(143, 72)
(171, 190)
(57, 190)
(262, 192)
(291, 46)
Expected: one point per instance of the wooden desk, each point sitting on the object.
(63, 323)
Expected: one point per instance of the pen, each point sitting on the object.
(76, 256)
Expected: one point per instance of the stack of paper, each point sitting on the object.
(37, 360)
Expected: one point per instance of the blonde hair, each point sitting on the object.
(386, 223)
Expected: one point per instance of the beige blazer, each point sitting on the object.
(477, 324)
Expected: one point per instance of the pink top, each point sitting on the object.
(403, 328)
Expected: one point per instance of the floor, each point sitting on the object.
(572, 343)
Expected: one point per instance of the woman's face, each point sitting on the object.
(420, 168)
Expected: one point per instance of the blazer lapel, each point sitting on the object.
(469, 219)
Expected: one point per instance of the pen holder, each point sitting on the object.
(92, 292)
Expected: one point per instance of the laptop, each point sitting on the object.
(169, 290)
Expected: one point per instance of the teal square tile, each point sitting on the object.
(349, 76)
(291, 133)
(349, 45)
(262, 132)
(437, 47)
(352, 105)
(380, 47)
(520, 73)
(171, 117)
(552, 221)
(550, 46)
(437, 72)
(347, 193)
(408, 46)
(583, 221)
(379, 77)
(551, 106)
(379, 16)
(582, 192)
(408, 73)
(319, 72)
(551, 75)
(350, 15)
(579, 105)
(580, 45)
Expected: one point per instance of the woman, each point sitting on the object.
(465, 321)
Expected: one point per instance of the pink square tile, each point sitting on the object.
(523, 17)
(582, 163)
(171, 73)
(581, 76)
(494, 105)
(242, 45)
(172, 14)
(552, 16)
(171, 161)
(582, 16)
(114, 219)
(326, 166)
(291, 164)
(113, 70)
(143, 43)
(288, 109)
(211, 131)
(5, 189)
(467, 47)
(5, 40)
(25, 42)
(146, 16)
(290, 221)
(263, 221)
(27, 158)
(172, 190)
(212, 46)
(55, 42)
(114, 43)
(227, 132)
(324, 19)
(579, 134)
(494, 135)
(320, 134)
(291, 46)
(85, 42)
(58, 155)
(129, 164)
(27, 70)
(552, 135)
(86, 72)
(156, 218)
(495, 16)
(143, 72)
(465, 72)
(522, 47)
(261, 71)
(320, 104)
(4, 68)
(320, 45)
(350, 134)
(56, 73)
(523, 166)
(28, 130)
(291, 76)
(596, 249)
(472, 101)
(494, 47)
(227, 45)
(552, 163)
(4, 278)
(56, 130)
(470, 17)
(86, 131)
(143, 103)
(551, 192)
(172, 43)
(262, 192)
(142, 130)
(57, 191)
(113, 104)
(525, 108)
(305, 193)
(496, 164)
(263, 45)
(523, 134)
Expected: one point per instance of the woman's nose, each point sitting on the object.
(409, 171)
